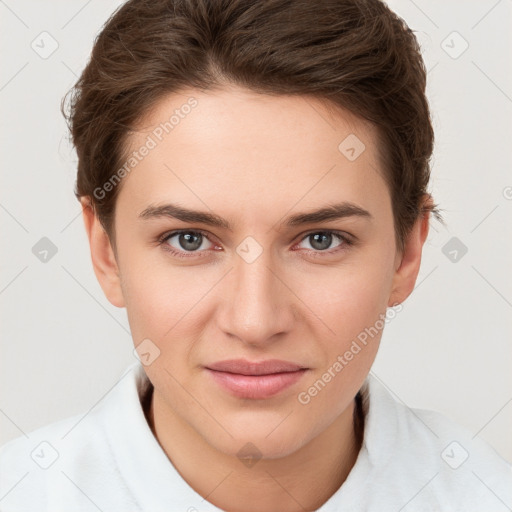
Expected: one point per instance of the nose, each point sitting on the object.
(257, 306)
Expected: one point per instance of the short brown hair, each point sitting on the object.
(353, 54)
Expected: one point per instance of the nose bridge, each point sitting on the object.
(256, 305)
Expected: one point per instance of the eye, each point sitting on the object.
(182, 242)
(195, 243)
(320, 241)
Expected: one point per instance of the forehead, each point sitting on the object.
(234, 147)
(235, 116)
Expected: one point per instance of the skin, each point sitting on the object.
(255, 160)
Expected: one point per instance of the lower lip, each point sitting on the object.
(256, 386)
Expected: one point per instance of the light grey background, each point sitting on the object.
(64, 345)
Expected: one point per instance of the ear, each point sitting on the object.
(102, 255)
(409, 260)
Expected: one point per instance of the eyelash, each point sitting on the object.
(346, 242)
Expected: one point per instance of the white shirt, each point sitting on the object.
(109, 460)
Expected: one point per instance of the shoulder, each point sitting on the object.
(469, 470)
(433, 460)
(30, 463)
(68, 460)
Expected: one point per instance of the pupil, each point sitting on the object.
(323, 244)
(187, 241)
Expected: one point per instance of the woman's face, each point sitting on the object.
(255, 276)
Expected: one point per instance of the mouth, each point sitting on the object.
(255, 380)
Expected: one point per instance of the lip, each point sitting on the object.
(255, 380)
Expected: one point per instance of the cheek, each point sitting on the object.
(354, 307)
(160, 299)
(352, 302)
(348, 300)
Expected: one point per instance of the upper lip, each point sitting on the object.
(244, 367)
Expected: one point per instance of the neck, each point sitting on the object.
(303, 480)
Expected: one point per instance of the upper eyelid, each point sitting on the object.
(345, 239)
(169, 234)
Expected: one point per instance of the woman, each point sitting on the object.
(254, 178)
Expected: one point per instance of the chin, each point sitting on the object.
(261, 441)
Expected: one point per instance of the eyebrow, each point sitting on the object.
(327, 213)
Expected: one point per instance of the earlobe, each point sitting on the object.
(102, 255)
(406, 274)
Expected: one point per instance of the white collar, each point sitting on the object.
(152, 476)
